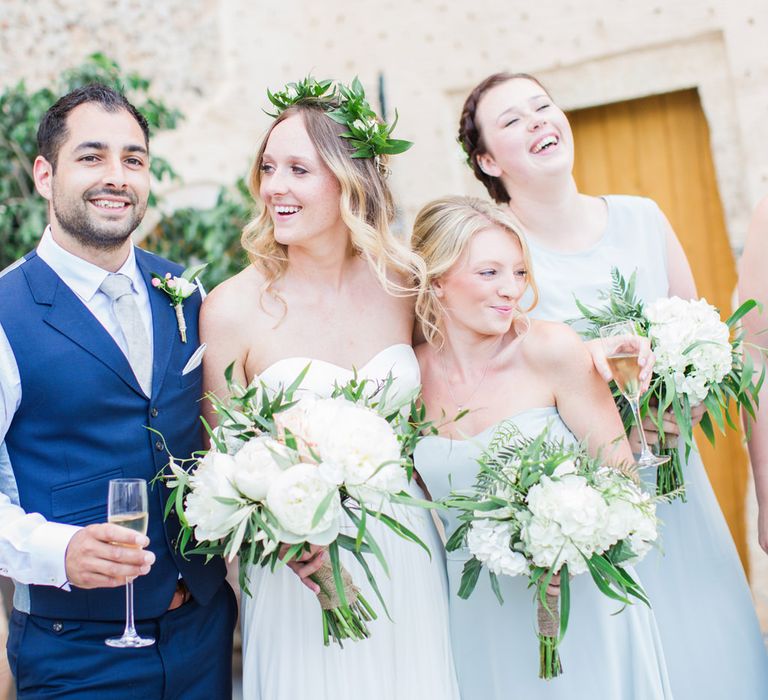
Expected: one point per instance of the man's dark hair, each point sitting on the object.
(53, 126)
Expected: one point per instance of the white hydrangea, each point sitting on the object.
(631, 513)
(571, 520)
(676, 325)
(577, 508)
(489, 541)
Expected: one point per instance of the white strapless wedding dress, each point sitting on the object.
(407, 658)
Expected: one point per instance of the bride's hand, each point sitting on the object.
(554, 585)
(307, 564)
(645, 358)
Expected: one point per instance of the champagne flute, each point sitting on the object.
(127, 506)
(621, 343)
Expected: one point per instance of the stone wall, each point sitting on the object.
(215, 58)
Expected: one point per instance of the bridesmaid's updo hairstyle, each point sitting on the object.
(366, 204)
(441, 235)
(471, 138)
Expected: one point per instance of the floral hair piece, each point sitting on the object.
(345, 105)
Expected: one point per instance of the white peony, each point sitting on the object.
(489, 541)
(213, 480)
(297, 421)
(294, 497)
(361, 443)
(257, 464)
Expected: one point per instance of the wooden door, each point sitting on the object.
(659, 147)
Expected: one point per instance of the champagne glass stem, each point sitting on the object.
(634, 404)
(130, 628)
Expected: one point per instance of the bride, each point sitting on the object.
(327, 284)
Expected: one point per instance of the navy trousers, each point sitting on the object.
(68, 660)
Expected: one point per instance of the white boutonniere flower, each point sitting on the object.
(179, 289)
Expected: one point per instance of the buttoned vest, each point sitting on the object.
(84, 420)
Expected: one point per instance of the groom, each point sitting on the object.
(90, 357)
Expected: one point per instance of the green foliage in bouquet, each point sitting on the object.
(738, 388)
(509, 468)
(252, 532)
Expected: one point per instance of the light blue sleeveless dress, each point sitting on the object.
(703, 607)
(495, 648)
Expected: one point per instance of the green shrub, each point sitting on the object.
(187, 236)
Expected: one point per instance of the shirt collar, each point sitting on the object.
(82, 277)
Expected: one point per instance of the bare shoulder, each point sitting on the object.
(226, 306)
(551, 346)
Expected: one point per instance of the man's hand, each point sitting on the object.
(645, 358)
(307, 564)
(105, 555)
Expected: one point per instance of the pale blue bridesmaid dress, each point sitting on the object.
(703, 607)
(605, 656)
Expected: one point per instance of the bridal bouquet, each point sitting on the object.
(281, 472)
(699, 361)
(540, 507)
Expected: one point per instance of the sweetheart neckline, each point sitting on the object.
(474, 437)
(333, 364)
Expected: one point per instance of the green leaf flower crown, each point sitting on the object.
(348, 106)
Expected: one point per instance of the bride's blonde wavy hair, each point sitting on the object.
(366, 204)
(441, 234)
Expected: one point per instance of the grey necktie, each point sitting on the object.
(118, 288)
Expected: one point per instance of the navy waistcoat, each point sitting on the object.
(83, 420)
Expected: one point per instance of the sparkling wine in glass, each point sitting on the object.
(621, 344)
(127, 507)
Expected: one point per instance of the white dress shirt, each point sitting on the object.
(32, 549)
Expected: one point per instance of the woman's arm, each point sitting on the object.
(222, 329)
(582, 397)
(753, 284)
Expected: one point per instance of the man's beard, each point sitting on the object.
(80, 223)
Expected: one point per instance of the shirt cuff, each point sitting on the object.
(49, 544)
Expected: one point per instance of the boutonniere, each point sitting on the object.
(178, 289)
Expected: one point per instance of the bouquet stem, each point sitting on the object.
(181, 321)
(548, 619)
(342, 621)
(669, 476)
